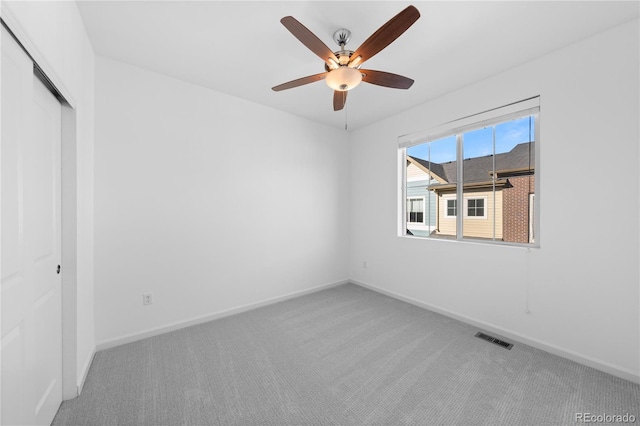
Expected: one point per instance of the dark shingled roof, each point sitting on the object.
(478, 169)
(436, 168)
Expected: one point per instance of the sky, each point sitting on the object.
(477, 143)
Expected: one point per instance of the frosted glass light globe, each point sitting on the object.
(343, 78)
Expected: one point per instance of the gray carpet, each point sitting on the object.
(342, 356)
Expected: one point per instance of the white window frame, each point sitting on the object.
(512, 111)
(446, 199)
(466, 207)
(532, 218)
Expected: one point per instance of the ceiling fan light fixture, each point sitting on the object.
(343, 78)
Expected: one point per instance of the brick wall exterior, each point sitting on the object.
(515, 226)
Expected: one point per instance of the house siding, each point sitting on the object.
(415, 172)
(484, 227)
(473, 227)
(446, 224)
(418, 188)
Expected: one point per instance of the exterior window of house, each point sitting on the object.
(484, 163)
(475, 207)
(415, 210)
(451, 208)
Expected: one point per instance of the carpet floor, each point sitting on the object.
(341, 356)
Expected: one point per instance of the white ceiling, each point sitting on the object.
(240, 47)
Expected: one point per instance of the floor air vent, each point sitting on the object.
(493, 340)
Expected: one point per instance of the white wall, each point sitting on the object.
(208, 202)
(582, 285)
(55, 36)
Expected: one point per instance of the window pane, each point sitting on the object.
(477, 172)
(443, 153)
(515, 176)
(430, 173)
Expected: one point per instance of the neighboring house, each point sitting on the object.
(505, 195)
(421, 203)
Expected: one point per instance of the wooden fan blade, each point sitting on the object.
(308, 38)
(386, 79)
(299, 82)
(339, 99)
(387, 33)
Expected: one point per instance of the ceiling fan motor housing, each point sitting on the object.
(343, 59)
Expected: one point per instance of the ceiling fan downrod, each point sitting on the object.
(341, 37)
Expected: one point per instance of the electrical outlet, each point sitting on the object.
(146, 299)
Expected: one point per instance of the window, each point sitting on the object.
(484, 163)
(451, 207)
(475, 207)
(415, 210)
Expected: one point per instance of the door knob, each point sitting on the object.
(58, 270)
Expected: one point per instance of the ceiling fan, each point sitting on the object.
(342, 68)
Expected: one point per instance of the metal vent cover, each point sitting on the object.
(494, 340)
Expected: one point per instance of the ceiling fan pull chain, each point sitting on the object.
(346, 107)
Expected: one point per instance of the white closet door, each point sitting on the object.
(30, 281)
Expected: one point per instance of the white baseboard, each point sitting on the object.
(121, 340)
(604, 366)
(85, 370)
